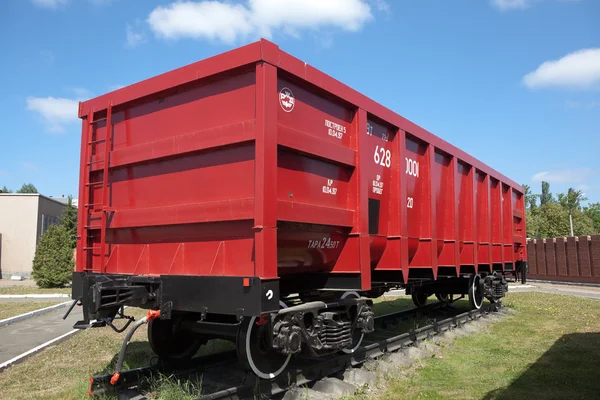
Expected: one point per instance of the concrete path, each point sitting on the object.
(57, 300)
(592, 292)
(7, 282)
(23, 336)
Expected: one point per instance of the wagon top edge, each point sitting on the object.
(266, 51)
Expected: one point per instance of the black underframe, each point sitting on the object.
(176, 293)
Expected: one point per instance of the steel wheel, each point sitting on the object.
(357, 336)
(255, 352)
(419, 297)
(443, 297)
(170, 343)
(475, 293)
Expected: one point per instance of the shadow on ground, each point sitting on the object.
(570, 369)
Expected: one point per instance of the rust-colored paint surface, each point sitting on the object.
(253, 163)
(573, 259)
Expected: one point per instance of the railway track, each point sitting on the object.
(219, 380)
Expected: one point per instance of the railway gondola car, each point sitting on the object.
(251, 197)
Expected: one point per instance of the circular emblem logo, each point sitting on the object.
(286, 99)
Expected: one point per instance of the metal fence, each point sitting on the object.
(572, 259)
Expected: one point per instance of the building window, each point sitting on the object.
(48, 220)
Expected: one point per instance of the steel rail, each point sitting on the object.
(304, 370)
(314, 370)
(101, 384)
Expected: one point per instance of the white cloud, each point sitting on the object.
(381, 5)
(81, 93)
(115, 87)
(506, 5)
(133, 38)
(573, 104)
(590, 105)
(208, 19)
(573, 175)
(48, 3)
(56, 3)
(56, 112)
(227, 22)
(509, 5)
(28, 165)
(587, 188)
(580, 70)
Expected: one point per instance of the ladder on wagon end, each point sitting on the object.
(103, 183)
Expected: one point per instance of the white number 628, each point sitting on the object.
(382, 157)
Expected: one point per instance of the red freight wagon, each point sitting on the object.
(251, 196)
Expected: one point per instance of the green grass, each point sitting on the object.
(25, 289)
(549, 349)
(170, 388)
(387, 305)
(63, 371)
(13, 308)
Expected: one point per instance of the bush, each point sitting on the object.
(53, 262)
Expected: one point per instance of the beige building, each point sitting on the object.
(23, 220)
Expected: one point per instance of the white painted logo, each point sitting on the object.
(269, 294)
(286, 99)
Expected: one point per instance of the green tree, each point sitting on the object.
(27, 188)
(582, 224)
(592, 211)
(546, 196)
(572, 200)
(5, 189)
(69, 221)
(532, 219)
(53, 262)
(530, 198)
(553, 221)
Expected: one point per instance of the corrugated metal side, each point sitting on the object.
(253, 163)
(573, 259)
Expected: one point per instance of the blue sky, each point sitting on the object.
(516, 83)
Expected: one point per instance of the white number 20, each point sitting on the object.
(382, 157)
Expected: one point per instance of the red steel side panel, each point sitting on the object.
(253, 163)
(177, 200)
(466, 223)
(483, 218)
(418, 205)
(265, 191)
(496, 204)
(443, 193)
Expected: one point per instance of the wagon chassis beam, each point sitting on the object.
(308, 370)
